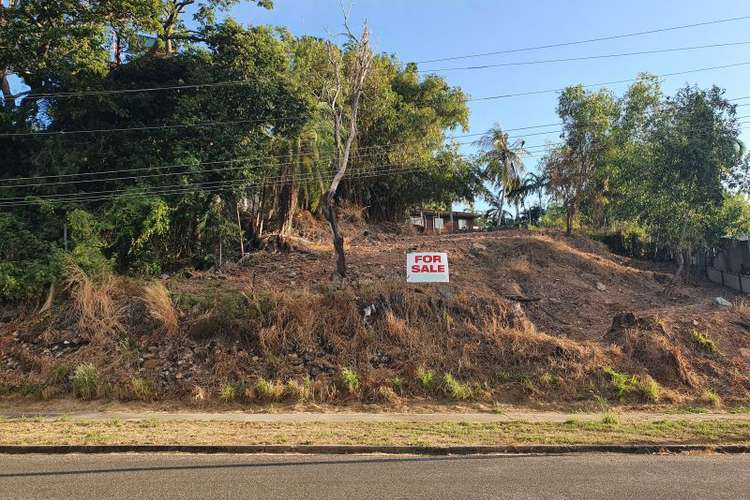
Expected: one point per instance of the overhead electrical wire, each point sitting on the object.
(472, 99)
(582, 58)
(151, 174)
(204, 187)
(602, 84)
(584, 41)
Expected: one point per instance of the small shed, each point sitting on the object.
(436, 222)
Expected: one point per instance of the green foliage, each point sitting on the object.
(349, 380)
(622, 383)
(228, 392)
(267, 390)
(704, 341)
(85, 381)
(397, 384)
(426, 378)
(710, 397)
(455, 389)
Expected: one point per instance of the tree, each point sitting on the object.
(572, 168)
(502, 161)
(348, 87)
(677, 189)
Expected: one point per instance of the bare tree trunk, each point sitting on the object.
(239, 229)
(288, 200)
(361, 65)
(329, 211)
(570, 213)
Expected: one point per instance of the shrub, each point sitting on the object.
(160, 307)
(298, 391)
(85, 381)
(704, 341)
(266, 390)
(141, 389)
(228, 393)
(349, 380)
(426, 378)
(199, 393)
(712, 398)
(456, 389)
(387, 394)
(622, 383)
(610, 418)
(650, 389)
(398, 385)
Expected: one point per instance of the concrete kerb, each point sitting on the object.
(643, 449)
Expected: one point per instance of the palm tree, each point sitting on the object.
(537, 183)
(495, 212)
(502, 161)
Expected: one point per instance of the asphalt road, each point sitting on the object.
(171, 476)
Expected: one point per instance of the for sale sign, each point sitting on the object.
(427, 267)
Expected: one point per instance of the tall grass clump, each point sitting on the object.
(141, 389)
(298, 391)
(349, 380)
(85, 381)
(92, 303)
(712, 398)
(455, 389)
(160, 307)
(426, 378)
(266, 390)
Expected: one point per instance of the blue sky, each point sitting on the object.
(417, 30)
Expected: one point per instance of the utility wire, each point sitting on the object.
(212, 187)
(583, 58)
(589, 40)
(601, 84)
(474, 99)
(359, 155)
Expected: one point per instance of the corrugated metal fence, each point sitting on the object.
(739, 282)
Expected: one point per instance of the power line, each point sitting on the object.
(589, 40)
(213, 187)
(601, 84)
(244, 160)
(583, 58)
(146, 127)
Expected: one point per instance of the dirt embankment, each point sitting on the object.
(528, 316)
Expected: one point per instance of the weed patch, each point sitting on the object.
(85, 381)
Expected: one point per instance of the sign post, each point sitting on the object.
(427, 267)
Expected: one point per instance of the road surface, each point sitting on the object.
(172, 476)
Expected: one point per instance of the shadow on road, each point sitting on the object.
(383, 460)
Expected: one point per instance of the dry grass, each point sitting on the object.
(93, 304)
(152, 431)
(519, 265)
(160, 307)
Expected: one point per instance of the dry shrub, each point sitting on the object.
(199, 394)
(742, 307)
(519, 265)
(398, 329)
(646, 341)
(160, 307)
(93, 304)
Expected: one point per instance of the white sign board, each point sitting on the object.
(427, 267)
